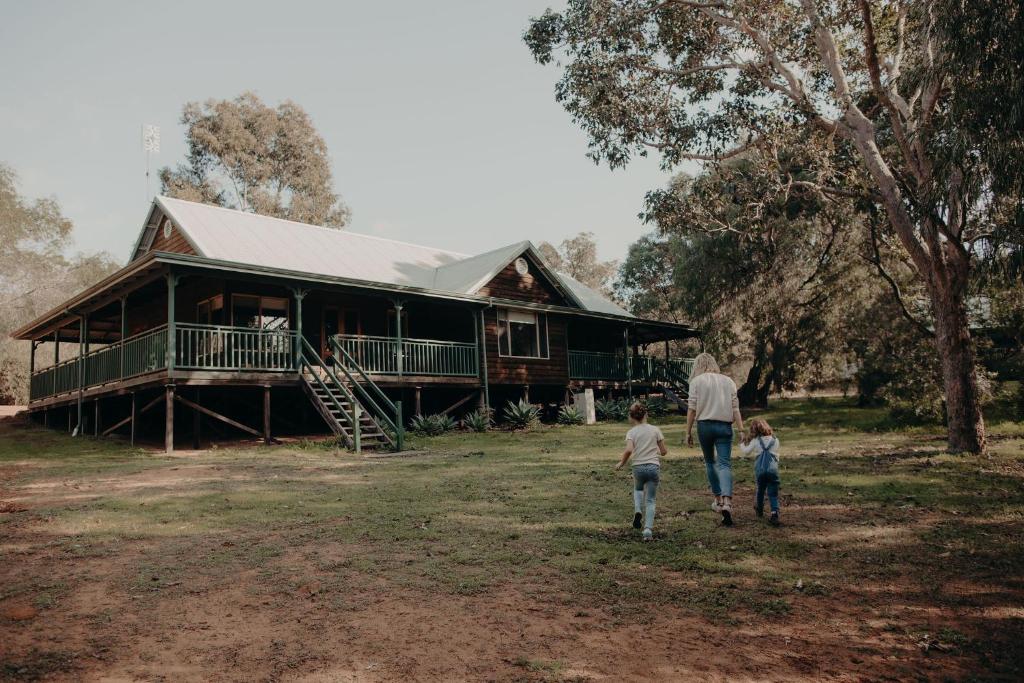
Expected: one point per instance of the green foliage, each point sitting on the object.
(36, 274)
(246, 155)
(577, 256)
(611, 409)
(570, 415)
(521, 415)
(477, 421)
(432, 425)
(656, 406)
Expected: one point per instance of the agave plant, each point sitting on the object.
(611, 409)
(432, 425)
(521, 415)
(657, 406)
(477, 421)
(570, 415)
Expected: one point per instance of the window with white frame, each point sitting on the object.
(522, 334)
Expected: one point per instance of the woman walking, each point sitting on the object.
(714, 406)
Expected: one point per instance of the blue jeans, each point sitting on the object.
(715, 439)
(645, 481)
(768, 482)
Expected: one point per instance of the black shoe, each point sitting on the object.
(774, 519)
(638, 520)
(759, 511)
(726, 518)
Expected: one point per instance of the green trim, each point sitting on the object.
(297, 279)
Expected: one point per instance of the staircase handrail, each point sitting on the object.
(347, 360)
(344, 390)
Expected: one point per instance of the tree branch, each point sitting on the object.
(876, 259)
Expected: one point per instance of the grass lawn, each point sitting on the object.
(509, 556)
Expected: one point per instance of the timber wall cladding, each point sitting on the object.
(176, 243)
(507, 370)
(508, 284)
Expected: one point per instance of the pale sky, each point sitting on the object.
(441, 128)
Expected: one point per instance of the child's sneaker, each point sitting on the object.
(637, 520)
(726, 510)
(759, 511)
(715, 507)
(648, 535)
(774, 519)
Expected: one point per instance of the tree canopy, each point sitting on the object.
(246, 155)
(577, 257)
(36, 273)
(886, 85)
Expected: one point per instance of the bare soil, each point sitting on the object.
(175, 606)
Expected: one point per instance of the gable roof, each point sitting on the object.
(242, 237)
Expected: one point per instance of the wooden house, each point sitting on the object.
(221, 314)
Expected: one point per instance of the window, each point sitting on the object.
(522, 334)
(261, 312)
(210, 311)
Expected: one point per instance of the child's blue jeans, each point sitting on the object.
(645, 486)
(715, 439)
(768, 482)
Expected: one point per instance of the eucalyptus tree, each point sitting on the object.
(708, 80)
(36, 273)
(577, 257)
(246, 155)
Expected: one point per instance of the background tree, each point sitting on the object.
(577, 257)
(708, 80)
(35, 274)
(758, 265)
(246, 155)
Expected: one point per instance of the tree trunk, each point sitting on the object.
(956, 353)
(749, 393)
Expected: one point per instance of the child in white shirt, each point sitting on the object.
(766, 467)
(645, 444)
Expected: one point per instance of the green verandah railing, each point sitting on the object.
(388, 413)
(379, 355)
(197, 347)
(613, 366)
(218, 347)
(137, 355)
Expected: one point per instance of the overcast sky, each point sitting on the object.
(441, 128)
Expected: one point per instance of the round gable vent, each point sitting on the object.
(522, 267)
(167, 227)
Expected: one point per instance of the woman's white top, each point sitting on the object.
(713, 397)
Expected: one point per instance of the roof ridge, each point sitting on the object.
(319, 227)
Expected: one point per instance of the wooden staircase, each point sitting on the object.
(337, 409)
(349, 410)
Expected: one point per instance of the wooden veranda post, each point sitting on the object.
(629, 361)
(398, 338)
(266, 414)
(124, 332)
(172, 282)
(197, 419)
(169, 418)
(300, 294)
(83, 327)
(133, 420)
(56, 359)
(482, 338)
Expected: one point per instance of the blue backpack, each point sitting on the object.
(766, 460)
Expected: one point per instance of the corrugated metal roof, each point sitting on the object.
(243, 237)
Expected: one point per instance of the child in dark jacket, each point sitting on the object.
(766, 467)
